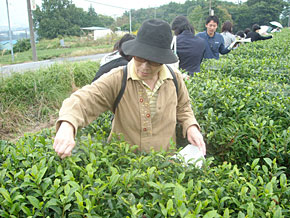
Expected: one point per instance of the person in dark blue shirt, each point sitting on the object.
(214, 42)
(190, 48)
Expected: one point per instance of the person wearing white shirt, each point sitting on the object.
(227, 30)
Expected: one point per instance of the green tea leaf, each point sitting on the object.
(254, 163)
(283, 180)
(52, 202)
(163, 209)
(268, 161)
(226, 213)
(169, 208)
(211, 214)
(154, 185)
(34, 201)
(250, 209)
(26, 210)
(6, 195)
(277, 213)
(182, 210)
(179, 193)
(40, 175)
(241, 215)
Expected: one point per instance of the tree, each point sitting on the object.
(284, 19)
(57, 17)
(264, 11)
(240, 16)
(197, 18)
(61, 17)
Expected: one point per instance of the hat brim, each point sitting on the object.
(148, 52)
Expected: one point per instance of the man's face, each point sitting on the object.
(211, 27)
(145, 69)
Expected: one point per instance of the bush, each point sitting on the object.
(22, 45)
(110, 180)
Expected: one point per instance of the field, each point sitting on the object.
(242, 104)
(73, 46)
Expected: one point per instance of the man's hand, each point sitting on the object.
(195, 138)
(64, 140)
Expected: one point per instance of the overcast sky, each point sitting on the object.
(18, 8)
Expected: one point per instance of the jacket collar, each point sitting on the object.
(163, 74)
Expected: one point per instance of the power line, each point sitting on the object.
(130, 22)
(106, 4)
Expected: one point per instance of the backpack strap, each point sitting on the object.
(174, 78)
(122, 90)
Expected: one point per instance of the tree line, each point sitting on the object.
(61, 17)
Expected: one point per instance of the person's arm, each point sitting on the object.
(64, 141)
(186, 117)
(195, 138)
(222, 48)
(264, 37)
(81, 108)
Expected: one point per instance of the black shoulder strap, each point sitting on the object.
(123, 86)
(174, 78)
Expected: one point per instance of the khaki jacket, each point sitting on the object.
(132, 117)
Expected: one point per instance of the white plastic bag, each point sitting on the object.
(191, 154)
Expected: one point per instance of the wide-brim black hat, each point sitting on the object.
(152, 43)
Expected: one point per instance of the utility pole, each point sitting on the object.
(32, 40)
(10, 34)
(211, 12)
(130, 20)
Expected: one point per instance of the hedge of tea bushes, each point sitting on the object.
(242, 102)
(110, 180)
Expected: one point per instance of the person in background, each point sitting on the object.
(190, 48)
(227, 33)
(255, 36)
(111, 56)
(150, 107)
(247, 30)
(241, 34)
(118, 58)
(214, 42)
(276, 30)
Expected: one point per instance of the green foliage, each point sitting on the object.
(62, 18)
(111, 180)
(242, 102)
(34, 96)
(74, 46)
(22, 45)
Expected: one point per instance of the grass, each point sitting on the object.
(26, 56)
(74, 46)
(35, 97)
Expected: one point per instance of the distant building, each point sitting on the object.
(5, 45)
(98, 32)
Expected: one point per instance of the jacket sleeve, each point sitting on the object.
(185, 115)
(264, 37)
(86, 104)
(222, 48)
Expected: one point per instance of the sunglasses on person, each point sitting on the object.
(142, 60)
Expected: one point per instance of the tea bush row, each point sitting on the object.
(242, 102)
(110, 180)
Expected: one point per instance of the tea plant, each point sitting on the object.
(111, 180)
